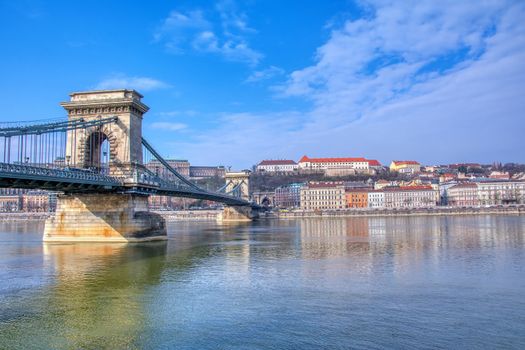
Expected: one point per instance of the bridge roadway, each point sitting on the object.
(79, 181)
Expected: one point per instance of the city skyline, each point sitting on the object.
(231, 83)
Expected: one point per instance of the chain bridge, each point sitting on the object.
(104, 169)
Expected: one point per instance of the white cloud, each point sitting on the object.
(232, 19)
(180, 32)
(265, 74)
(137, 83)
(240, 137)
(168, 126)
(437, 82)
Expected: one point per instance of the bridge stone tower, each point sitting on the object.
(124, 137)
(241, 180)
(106, 217)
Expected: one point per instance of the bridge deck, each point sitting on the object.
(38, 156)
(78, 181)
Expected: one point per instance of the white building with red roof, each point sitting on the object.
(277, 165)
(338, 166)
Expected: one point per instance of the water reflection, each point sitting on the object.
(96, 288)
(309, 283)
(338, 236)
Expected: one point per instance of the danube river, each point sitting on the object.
(407, 283)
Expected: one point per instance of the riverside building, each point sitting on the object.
(288, 196)
(357, 198)
(495, 192)
(463, 194)
(323, 195)
(410, 197)
(376, 199)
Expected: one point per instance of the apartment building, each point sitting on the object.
(495, 192)
(357, 198)
(323, 195)
(463, 194)
(288, 196)
(410, 197)
(376, 199)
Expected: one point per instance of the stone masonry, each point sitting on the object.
(105, 218)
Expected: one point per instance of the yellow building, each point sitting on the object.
(405, 166)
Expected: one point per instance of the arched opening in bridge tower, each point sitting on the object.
(98, 153)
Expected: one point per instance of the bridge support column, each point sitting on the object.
(237, 214)
(104, 218)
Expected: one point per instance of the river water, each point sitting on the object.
(342, 283)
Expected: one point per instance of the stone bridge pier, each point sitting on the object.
(119, 217)
(104, 218)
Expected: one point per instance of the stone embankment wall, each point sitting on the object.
(189, 214)
(24, 216)
(508, 210)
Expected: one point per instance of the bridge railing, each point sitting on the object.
(66, 173)
(47, 150)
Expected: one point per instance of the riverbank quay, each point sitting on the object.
(204, 215)
(197, 215)
(8, 217)
(201, 215)
(440, 211)
(212, 214)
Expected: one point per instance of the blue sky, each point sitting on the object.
(233, 82)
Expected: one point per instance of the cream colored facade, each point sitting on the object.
(318, 196)
(405, 166)
(410, 197)
(335, 166)
(501, 192)
(241, 179)
(275, 166)
(124, 137)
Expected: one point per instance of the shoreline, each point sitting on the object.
(211, 215)
(208, 215)
(436, 211)
(9, 217)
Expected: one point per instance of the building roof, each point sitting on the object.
(373, 162)
(277, 162)
(358, 190)
(324, 184)
(405, 162)
(331, 160)
(409, 188)
(468, 165)
(465, 185)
